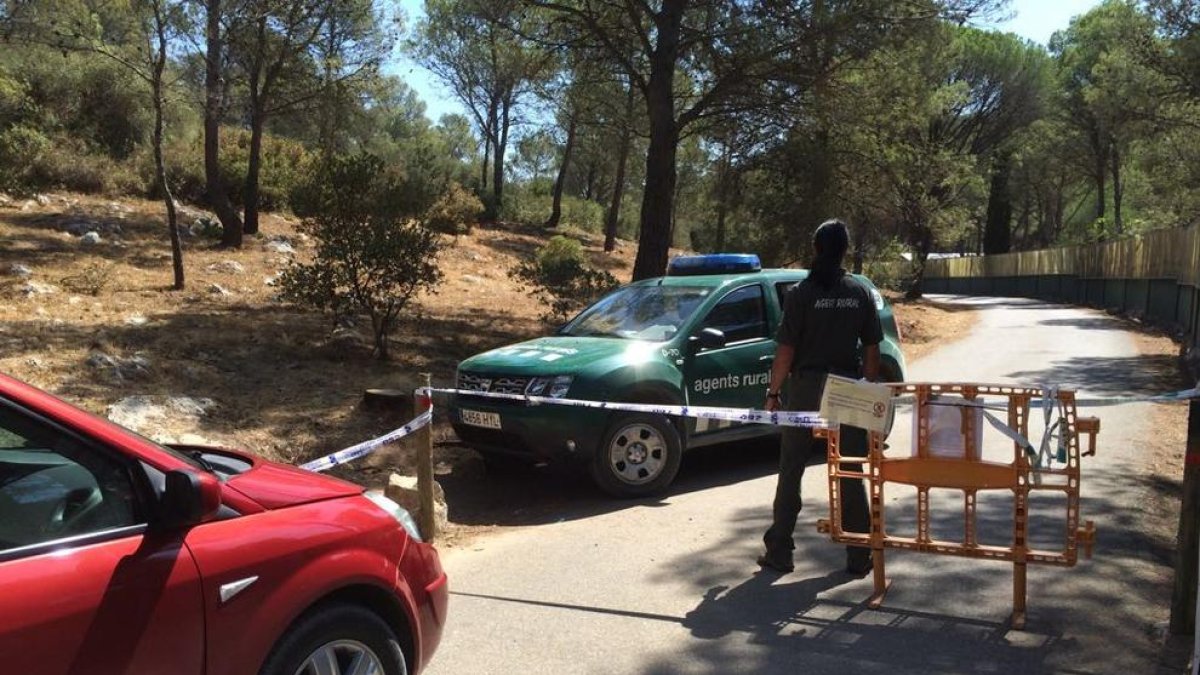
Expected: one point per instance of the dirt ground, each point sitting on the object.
(285, 384)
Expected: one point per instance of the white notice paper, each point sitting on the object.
(857, 403)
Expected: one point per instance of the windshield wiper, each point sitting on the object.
(198, 455)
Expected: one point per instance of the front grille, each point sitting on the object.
(497, 384)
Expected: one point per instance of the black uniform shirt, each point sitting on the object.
(826, 325)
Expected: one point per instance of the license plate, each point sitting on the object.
(477, 418)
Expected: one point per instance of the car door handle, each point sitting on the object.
(768, 357)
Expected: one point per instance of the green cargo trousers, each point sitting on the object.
(796, 449)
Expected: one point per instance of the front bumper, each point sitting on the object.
(534, 432)
(430, 588)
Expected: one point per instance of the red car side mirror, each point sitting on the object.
(189, 498)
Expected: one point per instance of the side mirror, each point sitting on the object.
(708, 338)
(189, 498)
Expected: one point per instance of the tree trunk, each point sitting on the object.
(658, 206)
(160, 165)
(614, 207)
(997, 237)
(214, 94)
(560, 181)
(504, 121)
(253, 168)
(1118, 189)
(1099, 174)
(923, 247)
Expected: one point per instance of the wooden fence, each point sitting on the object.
(1155, 275)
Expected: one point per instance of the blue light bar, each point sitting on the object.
(714, 263)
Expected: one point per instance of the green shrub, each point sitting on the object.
(284, 166)
(455, 211)
(532, 206)
(67, 165)
(560, 277)
(21, 148)
(370, 256)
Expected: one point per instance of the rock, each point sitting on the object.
(90, 239)
(5, 200)
(136, 320)
(35, 363)
(271, 280)
(345, 339)
(42, 200)
(79, 227)
(281, 247)
(403, 490)
(218, 289)
(74, 300)
(19, 270)
(472, 279)
(196, 439)
(27, 206)
(130, 368)
(227, 267)
(152, 414)
(36, 288)
(101, 360)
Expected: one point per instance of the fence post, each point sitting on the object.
(427, 524)
(1183, 599)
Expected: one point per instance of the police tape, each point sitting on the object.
(786, 418)
(782, 418)
(367, 447)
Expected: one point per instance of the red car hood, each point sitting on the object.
(276, 486)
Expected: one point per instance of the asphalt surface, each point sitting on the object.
(670, 585)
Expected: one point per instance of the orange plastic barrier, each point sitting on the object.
(971, 474)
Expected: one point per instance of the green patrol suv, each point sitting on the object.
(703, 335)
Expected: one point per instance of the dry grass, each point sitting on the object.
(925, 324)
(283, 387)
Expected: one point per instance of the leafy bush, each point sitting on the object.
(455, 211)
(67, 164)
(532, 207)
(560, 277)
(91, 280)
(284, 167)
(21, 147)
(370, 257)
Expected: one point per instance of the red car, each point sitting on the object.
(118, 555)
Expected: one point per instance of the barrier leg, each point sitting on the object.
(1018, 615)
(881, 582)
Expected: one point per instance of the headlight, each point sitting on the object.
(554, 387)
(396, 511)
(537, 386)
(560, 385)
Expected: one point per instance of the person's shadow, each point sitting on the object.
(758, 604)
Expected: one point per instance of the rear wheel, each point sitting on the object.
(640, 456)
(337, 640)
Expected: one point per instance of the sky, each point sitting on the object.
(1036, 20)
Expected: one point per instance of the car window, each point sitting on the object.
(639, 313)
(53, 486)
(740, 315)
(781, 289)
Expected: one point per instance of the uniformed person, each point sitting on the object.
(825, 318)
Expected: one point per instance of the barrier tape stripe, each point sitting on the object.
(367, 447)
(783, 418)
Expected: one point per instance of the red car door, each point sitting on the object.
(85, 586)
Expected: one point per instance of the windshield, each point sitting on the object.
(654, 313)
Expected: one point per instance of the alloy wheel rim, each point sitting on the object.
(637, 454)
(342, 657)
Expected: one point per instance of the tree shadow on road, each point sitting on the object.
(1111, 375)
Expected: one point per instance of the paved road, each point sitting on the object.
(670, 586)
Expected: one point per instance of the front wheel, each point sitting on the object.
(639, 457)
(337, 640)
